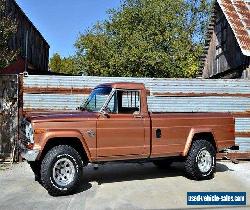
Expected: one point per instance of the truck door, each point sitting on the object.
(122, 131)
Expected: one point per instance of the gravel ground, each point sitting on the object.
(121, 186)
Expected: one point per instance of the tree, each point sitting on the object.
(55, 63)
(8, 27)
(148, 38)
(68, 66)
(63, 65)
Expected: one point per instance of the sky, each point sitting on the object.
(61, 21)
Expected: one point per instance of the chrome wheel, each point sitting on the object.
(204, 160)
(63, 172)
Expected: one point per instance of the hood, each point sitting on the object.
(60, 116)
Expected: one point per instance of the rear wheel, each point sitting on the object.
(61, 170)
(201, 160)
(163, 164)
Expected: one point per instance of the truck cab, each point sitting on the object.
(123, 123)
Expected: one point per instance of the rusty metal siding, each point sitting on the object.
(49, 93)
(52, 102)
(242, 125)
(34, 83)
(242, 128)
(8, 116)
(199, 104)
(243, 144)
(156, 104)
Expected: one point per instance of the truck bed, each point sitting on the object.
(177, 128)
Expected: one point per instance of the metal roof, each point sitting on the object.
(237, 13)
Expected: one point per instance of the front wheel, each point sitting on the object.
(200, 163)
(61, 170)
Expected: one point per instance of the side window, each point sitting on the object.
(112, 105)
(128, 101)
(124, 102)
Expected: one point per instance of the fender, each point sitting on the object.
(190, 137)
(50, 134)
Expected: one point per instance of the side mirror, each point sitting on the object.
(137, 114)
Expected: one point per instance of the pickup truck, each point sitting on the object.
(114, 124)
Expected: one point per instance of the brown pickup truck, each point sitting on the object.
(115, 124)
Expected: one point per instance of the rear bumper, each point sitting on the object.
(27, 154)
(224, 145)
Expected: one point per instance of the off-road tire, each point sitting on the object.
(36, 168)
(48, 163)
(191, 163)
(163, 164)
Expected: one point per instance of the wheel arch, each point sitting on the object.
(196, 134)
(74, 142)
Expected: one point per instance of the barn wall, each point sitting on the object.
(224, 57)
(38, 48)
(209, 67)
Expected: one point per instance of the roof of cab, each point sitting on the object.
(123, 85)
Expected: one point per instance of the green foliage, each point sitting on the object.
(148, 38)
(8, 28)
(55, 63)
(63, 65)
(142, 38)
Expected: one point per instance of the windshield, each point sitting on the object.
(97, 99)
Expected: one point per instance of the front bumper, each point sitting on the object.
(28, 154)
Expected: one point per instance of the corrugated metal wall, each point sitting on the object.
(8, 116)
(48, 93)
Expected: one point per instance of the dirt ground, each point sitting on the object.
(122, 186)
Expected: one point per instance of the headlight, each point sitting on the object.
(29, 132)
